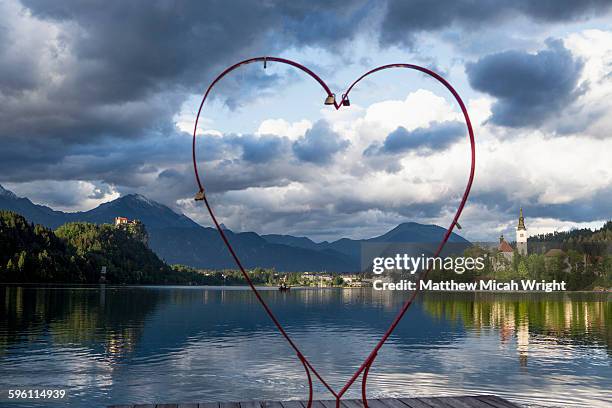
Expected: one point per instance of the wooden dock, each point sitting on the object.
(475, 401)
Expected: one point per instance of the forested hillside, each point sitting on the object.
(76, 253)
(584, 235)
(33, 253)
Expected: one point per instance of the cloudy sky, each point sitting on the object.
(97, 101)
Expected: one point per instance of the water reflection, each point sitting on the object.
(151, 344)
(107, 321)
(579, 318)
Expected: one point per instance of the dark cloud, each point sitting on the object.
(319, 144)
(251, 82)
(529, 87)
(123, 69)
(93, 95)
(230, 161)
(403, 19)
(110, 159)
(261, 149)
(148, 43)
(158, 166)
(437, 136)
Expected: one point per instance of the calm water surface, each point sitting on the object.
(183, 344)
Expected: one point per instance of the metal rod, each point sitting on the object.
(364, 379)
(303, 360)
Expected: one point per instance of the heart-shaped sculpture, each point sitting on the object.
(331, 100)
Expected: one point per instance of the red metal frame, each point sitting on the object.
(365, 366)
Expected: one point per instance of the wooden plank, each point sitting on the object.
(375, 403)
(353, 403)
(477, 401)
(332, 404)
(270, 404)
(458, 402)
(414, 403)
(291, 404)
(435, 402)
(328, 403)
(392, 402)
(496, 401)
(474, 402)
(208, 405)
(250, 404)
(317, 404)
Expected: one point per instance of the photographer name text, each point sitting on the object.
(527, 285)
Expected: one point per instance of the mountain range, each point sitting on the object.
(179, 240)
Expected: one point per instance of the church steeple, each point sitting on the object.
(521, 223)
(521, 235)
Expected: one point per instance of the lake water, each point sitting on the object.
(188, 344)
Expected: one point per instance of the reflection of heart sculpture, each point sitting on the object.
(330, 100)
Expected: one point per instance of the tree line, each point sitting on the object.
(77, 252)
(581, 258)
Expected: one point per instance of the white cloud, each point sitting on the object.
(479, 110)
(281, 127)
(70, 195)
(418, 110)
(545, 170)
(590, 114)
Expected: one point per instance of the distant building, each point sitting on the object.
(505, 249)
(557, 253)
(134, 227)
(319, 279)
(521, 235)
(551, 253)
(123, 221)
(325, 279)
(353, 281)
(309, 276)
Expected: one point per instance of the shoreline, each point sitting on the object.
(273, 287)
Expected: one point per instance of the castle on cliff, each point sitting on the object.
(134, 227)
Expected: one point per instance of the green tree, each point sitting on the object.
(536, 266)
(516, 259)
(523, 271)
(10, 267)
(21, 264)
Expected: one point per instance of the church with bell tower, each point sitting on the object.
(521, 235)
